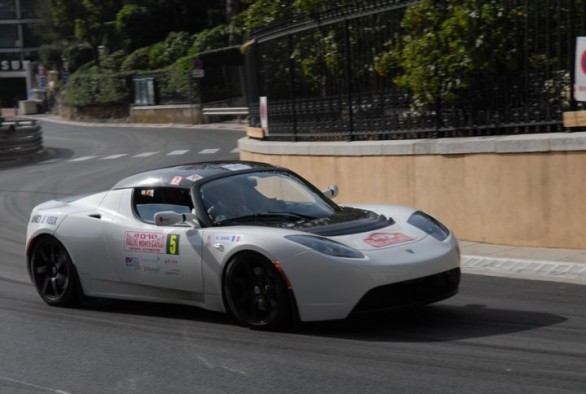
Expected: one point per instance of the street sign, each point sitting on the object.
(580, 70)
(198, 73)
(264, 115)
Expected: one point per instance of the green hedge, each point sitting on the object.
(84, 90)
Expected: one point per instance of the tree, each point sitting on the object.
(452, 49)
(88, 21)
(163, 17)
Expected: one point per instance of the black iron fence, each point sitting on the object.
(221, 79)
(333, 75)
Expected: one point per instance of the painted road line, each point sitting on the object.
(111, 157)
(83, 158)
(208, 151)
(145, 154)
(235, 150)
(177, 152)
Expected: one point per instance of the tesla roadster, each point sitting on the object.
(252, 239)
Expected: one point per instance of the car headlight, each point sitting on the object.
(430, 225)
(326, 246)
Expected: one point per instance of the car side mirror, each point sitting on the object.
(331, 191)
(170, 218)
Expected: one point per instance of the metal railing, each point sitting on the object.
(319, 75)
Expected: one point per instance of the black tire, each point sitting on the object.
(53, 273)
(256, 294)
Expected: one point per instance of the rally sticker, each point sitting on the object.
(158, 243)
(379, 240)
(194, 177)
(228, 238)
(236, 167)
(45, 219)
(223, 238)
(176, 180)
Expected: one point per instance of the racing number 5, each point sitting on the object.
(173, 244)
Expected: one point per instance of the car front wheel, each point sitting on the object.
(256, 294)
(53, 273)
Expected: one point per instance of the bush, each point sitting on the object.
(137, 60)
(87, 89)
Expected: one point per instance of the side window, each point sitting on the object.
(148, 201)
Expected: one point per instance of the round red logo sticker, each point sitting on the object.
(378, 240)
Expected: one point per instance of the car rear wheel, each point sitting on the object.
(53, 273)
(256, 294)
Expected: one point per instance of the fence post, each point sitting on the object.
(348, 78)
(292, 84)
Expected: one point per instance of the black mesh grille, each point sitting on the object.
(410, 293)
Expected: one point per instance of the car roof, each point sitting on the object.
(183, 176)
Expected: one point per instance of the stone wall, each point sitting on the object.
(519, 190)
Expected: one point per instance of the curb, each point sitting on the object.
(217, 126)
(554, 271)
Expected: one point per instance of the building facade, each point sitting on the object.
(18, 50)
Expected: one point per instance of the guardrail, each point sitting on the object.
(243, 111)
(19, 139)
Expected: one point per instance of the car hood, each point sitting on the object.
(344, 222)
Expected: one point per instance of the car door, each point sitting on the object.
(158, 256)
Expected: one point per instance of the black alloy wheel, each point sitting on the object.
(53, 273)
(256, 294)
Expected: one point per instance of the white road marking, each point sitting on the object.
(177, 152)
(111, 157)
(33, 386)
(208, 151)
(84, 158)
(145, 154)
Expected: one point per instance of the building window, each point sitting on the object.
(9, 36)
(7, 9)
(27, 9)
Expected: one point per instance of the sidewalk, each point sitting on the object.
(559, 265)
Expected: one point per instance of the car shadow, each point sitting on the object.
(436, 323)
(158, 310)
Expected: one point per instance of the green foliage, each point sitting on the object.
(450, 49)
(261, 13)
(50, 55)
(64, 13)
(176, 82)
(165, 53)
(210, 39)
(113, 61)
(137, 60)
(87, 89)
(131, 20)
(76, 55)
(318, 53)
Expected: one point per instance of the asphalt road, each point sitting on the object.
(498, 335)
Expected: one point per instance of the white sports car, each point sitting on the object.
(249, 238)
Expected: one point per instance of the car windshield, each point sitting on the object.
(263, 197)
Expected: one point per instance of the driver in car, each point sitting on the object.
(227, 201)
